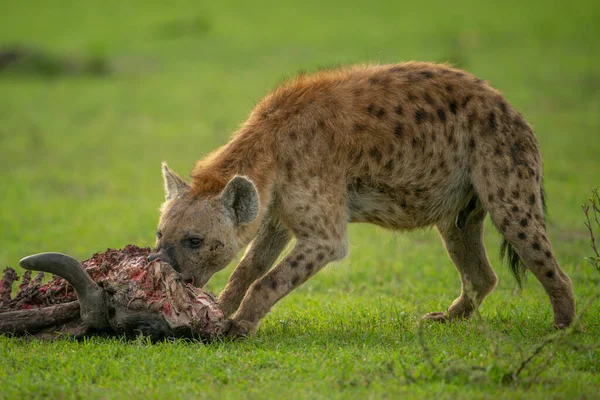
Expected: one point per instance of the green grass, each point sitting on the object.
(79, 172)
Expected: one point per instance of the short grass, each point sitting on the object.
(79, 172)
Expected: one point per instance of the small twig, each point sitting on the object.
(595, 200)
(540, 370)
(588, 224)
(537, 350)
(558, 337)
(596, 205)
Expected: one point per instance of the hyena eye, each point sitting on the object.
(158, 234)
(195, 242)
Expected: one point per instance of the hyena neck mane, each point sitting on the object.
(248, 155)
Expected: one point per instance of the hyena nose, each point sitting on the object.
(152, 257)
(165, 255)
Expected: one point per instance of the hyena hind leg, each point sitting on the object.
(464, 243)
(524, 228)
(517, 209)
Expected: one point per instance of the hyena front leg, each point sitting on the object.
(315, 212)
(260, 256)
(465, 247)
(306, 258)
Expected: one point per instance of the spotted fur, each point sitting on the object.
(402, 146)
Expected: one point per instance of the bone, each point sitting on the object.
(36, 319)
(91, 296)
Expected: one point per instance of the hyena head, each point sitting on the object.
(196, 234)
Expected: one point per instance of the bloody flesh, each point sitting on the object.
(135, 288)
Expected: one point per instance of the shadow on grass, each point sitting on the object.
(191, 27)
(31, 61)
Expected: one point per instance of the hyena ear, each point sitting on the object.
(241, 197)
(174, 185)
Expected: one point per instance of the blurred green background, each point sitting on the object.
(80, 151)
(94, 95)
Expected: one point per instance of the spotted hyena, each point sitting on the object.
(401, 146)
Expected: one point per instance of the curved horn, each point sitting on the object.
(91, 296)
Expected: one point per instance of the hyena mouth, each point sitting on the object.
(166, 254)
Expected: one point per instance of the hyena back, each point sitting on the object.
(401, 146)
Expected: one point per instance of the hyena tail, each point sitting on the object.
(509, 256)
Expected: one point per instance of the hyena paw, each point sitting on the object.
(569, 324)
(237, 329)
(437, 316)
